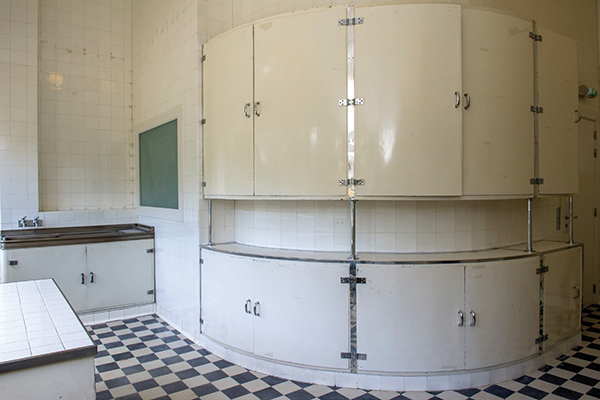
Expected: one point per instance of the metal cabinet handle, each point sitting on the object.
(246, 110)
(579, 115)
(468, 99)
(462, 318)
(457, 94)
(578, 293)
(248, 302)
(256, 104)
(257, 309)
(474, 318)
(91, 277)
(82, 278)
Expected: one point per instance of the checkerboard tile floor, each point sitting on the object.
(145, 358)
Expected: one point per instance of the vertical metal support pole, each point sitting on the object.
(353, 362)
(529, 227)
(536, 116)
(350, 95)
(210, 223)
(352, 229)
(571, 219)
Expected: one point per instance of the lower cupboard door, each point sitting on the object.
(408, 318)
(302, 312)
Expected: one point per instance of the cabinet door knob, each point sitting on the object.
(578, 292)
(474, 321)
(468, 99)
(91, 277)
(457, 94)
(462, 318)
(248, 302)
(246, 110)
(256, 104)
(82, 278)
(257, 309)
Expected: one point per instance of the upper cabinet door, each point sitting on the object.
(558, 142)
(300, 76)
(228, 98)
(408, 131)
(498, 123)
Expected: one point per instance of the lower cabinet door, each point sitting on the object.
(227, 299)
(408, 318)
(65, 264)
(503, 298)
(562, 295)
(302, 312)
(119, 273)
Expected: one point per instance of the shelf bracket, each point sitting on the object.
(350, 21)
(535, 37)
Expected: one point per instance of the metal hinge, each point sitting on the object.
(536, 181)
(594, 288)
(595, 153)
(541, 339)
(535, 36)
(203, 121)
(350, 21)
(150, 292)
(595, 135)
(201, 261)
(355, 356)
(201, 321)
(542, 270)
(203, 184)
(595, 212)
(203, 57)
(536, 109)
(149, 250)
(345, 279)
(351, 102)
(348, 182)
(13, 262)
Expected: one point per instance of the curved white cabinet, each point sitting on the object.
(444, 96)
(473, 312)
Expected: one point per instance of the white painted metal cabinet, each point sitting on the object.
(417, 306)
(120, 273)
(562, 295)
(497, 64)
(65, 264)
(300, 130)
(504, 296)
(228, 97)
(303, 312)
(558, 143)
(407, 70)
(227, 290)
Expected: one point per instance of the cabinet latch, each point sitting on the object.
(536, 109)
(355, 182)
(541, 270)
(351, 102)
(536, 181)
(150, 292)
(535, 36)
(350, 21)
(541, 339)
(149, 250)
(353, 356)
(345, 279)
(13, 262)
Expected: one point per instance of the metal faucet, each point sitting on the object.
(23, 222)
(37, 222)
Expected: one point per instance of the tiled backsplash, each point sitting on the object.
(391, 226)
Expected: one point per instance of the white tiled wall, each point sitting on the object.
(394, 226)
(18, 110)
(85, 139)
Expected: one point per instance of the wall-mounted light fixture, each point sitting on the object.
(586, 91)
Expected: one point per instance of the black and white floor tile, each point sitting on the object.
(145, 358)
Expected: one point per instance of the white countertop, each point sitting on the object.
(401, 258)
(36, 321)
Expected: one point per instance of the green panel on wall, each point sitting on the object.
(158, 167)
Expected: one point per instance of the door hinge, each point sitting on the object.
(345, 279)
(203, 57)
(149, 251)
(595, 153)
(594, 288)
(203, 121)
(203, 184)
(541, 270)
(535, 36)
(348, 182)
(536, 181)
(150, 292)
(13, 262)
(353, 356)
(201, 261)
(201, 321)
(541, 339)
(595, 212)
(595, 135)
(350, 21)
(351, 102)
(536, 109)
